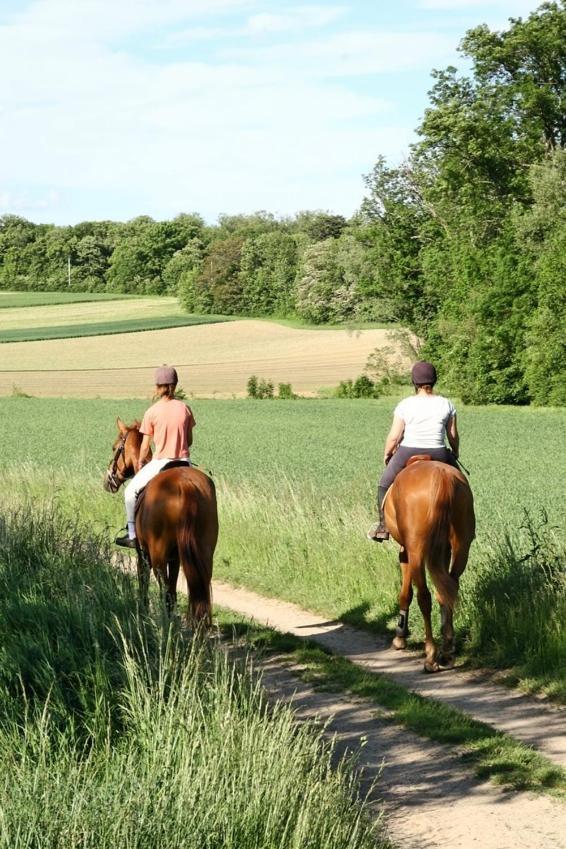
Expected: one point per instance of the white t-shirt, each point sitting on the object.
(425, 417)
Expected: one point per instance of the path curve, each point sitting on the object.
(429, 799)
(536, 723)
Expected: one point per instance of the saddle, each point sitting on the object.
(416, 458)
(172, 464)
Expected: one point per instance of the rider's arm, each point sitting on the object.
(144, 451)
(453, 436)
(189, 424)
(394, 437)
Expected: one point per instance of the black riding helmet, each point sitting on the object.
(423, 374)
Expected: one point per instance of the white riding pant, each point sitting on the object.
(143, 477)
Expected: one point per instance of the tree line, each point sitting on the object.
(464, 243)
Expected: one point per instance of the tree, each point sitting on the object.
(543, 227)
(268, 268)
(217, 285)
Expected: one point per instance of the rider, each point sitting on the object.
(169, 423)
(420, 424)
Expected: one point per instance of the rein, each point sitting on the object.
(113, 472)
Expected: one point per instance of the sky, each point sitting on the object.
(111, 109)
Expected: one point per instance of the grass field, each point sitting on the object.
(212, 359)
(106, 328)
(10, 300)
(118, 731)
(75, 319)
(297, 486)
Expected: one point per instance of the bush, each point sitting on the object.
(260, 388)
(362, 387)
(285, 392)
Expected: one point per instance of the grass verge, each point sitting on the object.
(492, 755)
(117, 729)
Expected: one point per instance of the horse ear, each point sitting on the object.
(121, 426)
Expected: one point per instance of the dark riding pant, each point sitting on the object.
(399, 460)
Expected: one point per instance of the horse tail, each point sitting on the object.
(196, 566)
(437, 548)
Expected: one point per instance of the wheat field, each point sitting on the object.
(213, 360)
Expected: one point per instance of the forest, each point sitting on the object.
(464, 242)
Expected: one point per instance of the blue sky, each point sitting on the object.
(117, 108)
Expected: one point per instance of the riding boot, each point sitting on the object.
(126, 541)
(378, 532)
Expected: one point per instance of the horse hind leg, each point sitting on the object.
(459, 560)
(405, 598)
(144, 572)
(424, 599)
(171, 591)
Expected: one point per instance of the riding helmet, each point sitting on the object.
(423, 374)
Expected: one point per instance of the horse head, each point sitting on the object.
(126, 450)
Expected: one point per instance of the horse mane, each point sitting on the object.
(135, 426)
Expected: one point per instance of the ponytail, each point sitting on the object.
(166, 390)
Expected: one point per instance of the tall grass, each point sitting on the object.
(514, 609)
(117, 732)
(295, 543)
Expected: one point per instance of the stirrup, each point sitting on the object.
(125, 541)
(378, 533)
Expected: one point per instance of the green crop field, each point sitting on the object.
(106, 328)
(296, 482)
(59, 317)
(40, 299)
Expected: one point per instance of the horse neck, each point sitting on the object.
(133, 446)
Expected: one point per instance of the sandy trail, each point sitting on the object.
(428, 798)
(530, 720)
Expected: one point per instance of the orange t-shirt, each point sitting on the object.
(170, 423)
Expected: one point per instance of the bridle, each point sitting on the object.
(114, 477)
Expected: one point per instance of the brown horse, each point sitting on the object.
(429, 510)
(176, 524)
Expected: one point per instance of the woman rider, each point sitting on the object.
(420, 425)
(169, 423)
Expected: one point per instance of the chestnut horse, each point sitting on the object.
(429, 511)
(176, 524)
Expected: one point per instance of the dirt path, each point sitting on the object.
(428, 798)
(527, 719)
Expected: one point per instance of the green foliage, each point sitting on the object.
(252, 386)
(468, 235)
(267, 274)
(285, 392)
(362, 387)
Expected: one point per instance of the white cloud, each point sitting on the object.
(25, 202)
(353, 53)
(85, 120)
(513, 8)
(301, 17)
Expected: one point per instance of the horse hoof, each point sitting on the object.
(399, 643)
(431, 667)
(446, 662)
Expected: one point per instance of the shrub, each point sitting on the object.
(252, 386)
(362, 387)
(285, 392)
(260, 387)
